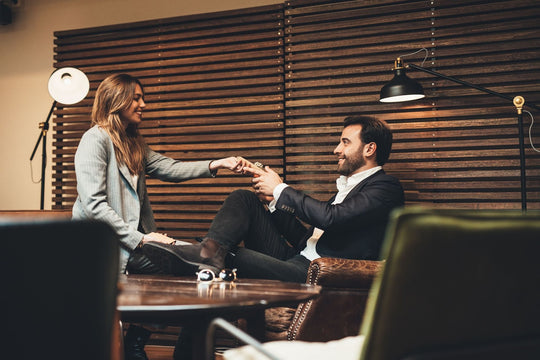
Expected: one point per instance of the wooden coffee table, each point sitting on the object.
(182, 301)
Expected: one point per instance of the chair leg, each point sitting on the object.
(117, 343)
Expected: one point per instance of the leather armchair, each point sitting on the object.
(337, 312)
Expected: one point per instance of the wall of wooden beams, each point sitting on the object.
(213, 88)
(456, 148)
(274, 83)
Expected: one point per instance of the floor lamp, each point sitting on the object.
(403, 88)
(66, 86)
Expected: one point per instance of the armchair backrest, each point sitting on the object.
(58, 296)
(456, 285)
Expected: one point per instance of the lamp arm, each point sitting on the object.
(509, 98)
(518, 102)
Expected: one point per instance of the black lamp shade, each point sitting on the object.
(401, 88)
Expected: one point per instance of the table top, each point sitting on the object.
(155, 294)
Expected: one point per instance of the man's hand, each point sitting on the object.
(264, 181)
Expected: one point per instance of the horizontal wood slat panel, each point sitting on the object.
(274, 84)
(183, 24)
(168, 44)
(328, 79)
(213, 87)
(338, 55)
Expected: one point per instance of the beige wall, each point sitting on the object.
(26, 58)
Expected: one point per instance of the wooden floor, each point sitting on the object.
(161, 344)
(159, 352)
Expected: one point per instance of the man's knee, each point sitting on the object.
(241, 199)
(242, 194)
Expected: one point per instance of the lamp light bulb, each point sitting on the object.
(66, 78)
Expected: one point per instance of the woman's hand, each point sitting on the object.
(162, 238)
(235, 164)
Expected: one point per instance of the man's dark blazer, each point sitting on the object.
(353, 229)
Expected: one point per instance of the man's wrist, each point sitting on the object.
(277, 190)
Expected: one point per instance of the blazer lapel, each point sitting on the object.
(127, 175)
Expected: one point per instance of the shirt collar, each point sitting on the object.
(343, 182)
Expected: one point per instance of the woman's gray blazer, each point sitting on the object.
(106, 191)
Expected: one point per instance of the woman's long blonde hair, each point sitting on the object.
(113, 95)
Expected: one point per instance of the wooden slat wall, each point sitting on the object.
(456, 148)
(213, 88)
(274, 84)
(337, 59)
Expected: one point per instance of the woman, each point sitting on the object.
(111, 162)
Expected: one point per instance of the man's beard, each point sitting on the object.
(350, 165)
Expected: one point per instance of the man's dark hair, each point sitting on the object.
(373, 130)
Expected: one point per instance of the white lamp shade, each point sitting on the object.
(68, 85)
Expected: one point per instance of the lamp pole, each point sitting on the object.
(44, 126)
(518, 102)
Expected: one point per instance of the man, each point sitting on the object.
(276, 244)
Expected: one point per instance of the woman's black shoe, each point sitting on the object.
(134, 342)
(186, 259)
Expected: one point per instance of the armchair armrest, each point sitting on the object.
(339, 309)
(343, 273)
